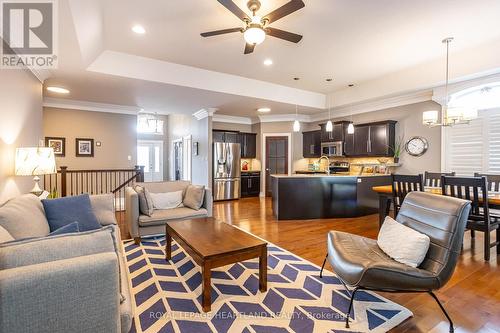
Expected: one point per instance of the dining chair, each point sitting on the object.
(433, 179)
(493, 181)
(475, 190)
(402, 185)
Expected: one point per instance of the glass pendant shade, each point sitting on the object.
(350, 128)
(296, 126)
(430, 117)
(329, 126)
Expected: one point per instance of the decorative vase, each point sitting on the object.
(396, 160)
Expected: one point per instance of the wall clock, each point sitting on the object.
(417, 146)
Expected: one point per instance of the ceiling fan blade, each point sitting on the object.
(220, 32)
(284, 10)
(249, 48)
(289, 36)
(233, 8)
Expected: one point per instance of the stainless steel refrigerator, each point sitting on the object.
(227, 171)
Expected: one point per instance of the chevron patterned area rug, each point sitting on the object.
(167, 296)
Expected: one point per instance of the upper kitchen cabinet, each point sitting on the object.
(248, 145)
(226, 136)
(336, 135)
(311, 146)
(373, 139)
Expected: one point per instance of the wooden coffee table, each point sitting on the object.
(214, 244)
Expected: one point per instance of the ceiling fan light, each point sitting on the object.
(254, 35)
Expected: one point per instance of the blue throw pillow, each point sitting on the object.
(63, 211)
(67, 229)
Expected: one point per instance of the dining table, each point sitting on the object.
(385, 197)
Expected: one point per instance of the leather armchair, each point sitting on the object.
(360, 263)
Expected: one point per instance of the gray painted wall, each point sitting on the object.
(21, 126)
(409, 118)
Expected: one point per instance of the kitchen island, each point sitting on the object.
(302, 197)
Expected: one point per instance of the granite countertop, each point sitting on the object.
(324, 175)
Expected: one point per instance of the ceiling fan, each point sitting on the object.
(256, 28)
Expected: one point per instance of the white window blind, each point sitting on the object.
(474, 147)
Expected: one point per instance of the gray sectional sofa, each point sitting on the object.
(140, 225)
(74, 282)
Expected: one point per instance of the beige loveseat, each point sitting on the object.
(142, 225)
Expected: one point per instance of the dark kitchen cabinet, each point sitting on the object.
(232, 137)
(373, 139)
(361, 140)
(250, 184)
(311, 144)
(248, 145)
(381, 139)
(226, 136)
(218, 136)
(337, 134)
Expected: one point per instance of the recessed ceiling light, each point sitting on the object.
(268, 62)
(138, 29)
(264, 110)
(58, 90)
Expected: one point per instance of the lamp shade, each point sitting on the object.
(34, 161)
(430, 117)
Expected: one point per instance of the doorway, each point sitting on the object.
(276, 159)
(150, 155)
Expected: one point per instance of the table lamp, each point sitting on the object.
(35, 161)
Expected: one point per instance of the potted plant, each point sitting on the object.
(397, 149)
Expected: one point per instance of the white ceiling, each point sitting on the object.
(353, 41)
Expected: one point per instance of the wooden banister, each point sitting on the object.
(99, 181)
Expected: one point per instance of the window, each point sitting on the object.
(149, 124)
(474, 147)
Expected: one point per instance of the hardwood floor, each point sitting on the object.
(472, 296)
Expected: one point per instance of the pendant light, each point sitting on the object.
(449, 115)
(296, 123)
(350, 127)
(329, 124)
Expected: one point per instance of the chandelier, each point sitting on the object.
(450, 115)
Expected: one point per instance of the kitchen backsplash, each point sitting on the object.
(252, 164)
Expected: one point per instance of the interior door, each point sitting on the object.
(276, 159)
(150, 155)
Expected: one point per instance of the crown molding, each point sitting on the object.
(378, 104)
(222, 118)
(204, 113)
(284, 117)
(62, 103)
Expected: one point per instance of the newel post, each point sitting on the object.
(64, 169)
(140, 173)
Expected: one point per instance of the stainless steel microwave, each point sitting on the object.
(331, 149)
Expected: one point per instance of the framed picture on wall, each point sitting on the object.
(58, 144)
(84, 147)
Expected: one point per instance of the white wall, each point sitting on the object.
(180, 126)
(20, 126)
